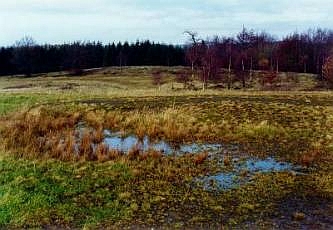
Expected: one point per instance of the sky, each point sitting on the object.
(59, 21)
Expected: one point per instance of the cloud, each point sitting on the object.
(109, 20)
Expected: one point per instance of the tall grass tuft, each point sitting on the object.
(85, 147)
(134, 153)
(200, 158)
(114, 154)
(102, 152)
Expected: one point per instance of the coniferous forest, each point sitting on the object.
(248, 50)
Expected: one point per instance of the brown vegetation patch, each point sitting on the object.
(25, 86)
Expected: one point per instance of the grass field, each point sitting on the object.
(56, 171)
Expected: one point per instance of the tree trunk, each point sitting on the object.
(243, 74)
(203, 79)
(251, 65)
(277, 66)
(251, 69)
(229, 73)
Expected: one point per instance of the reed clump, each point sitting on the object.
(41, 133)
(200, 158)
(171, 124)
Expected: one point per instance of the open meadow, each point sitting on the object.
(114, 149)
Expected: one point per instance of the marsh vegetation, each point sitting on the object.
(187, 158)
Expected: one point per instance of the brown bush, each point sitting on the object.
(328, 70)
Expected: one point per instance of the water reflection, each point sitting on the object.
(242, 173)
(124, 144)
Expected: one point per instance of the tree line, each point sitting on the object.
(247, 51)
(306, 52)
(27, 57)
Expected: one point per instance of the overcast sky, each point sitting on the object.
(58, 21)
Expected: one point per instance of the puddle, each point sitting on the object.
(267, 165)
(220, 181)
(124, 144)
(242, 173)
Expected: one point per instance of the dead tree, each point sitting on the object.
(193, 52)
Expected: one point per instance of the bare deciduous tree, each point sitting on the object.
(210, 63)
(193, 51)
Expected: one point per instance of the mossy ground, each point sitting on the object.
(37, 189)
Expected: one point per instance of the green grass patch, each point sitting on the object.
(36, 194)
(12, 102)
